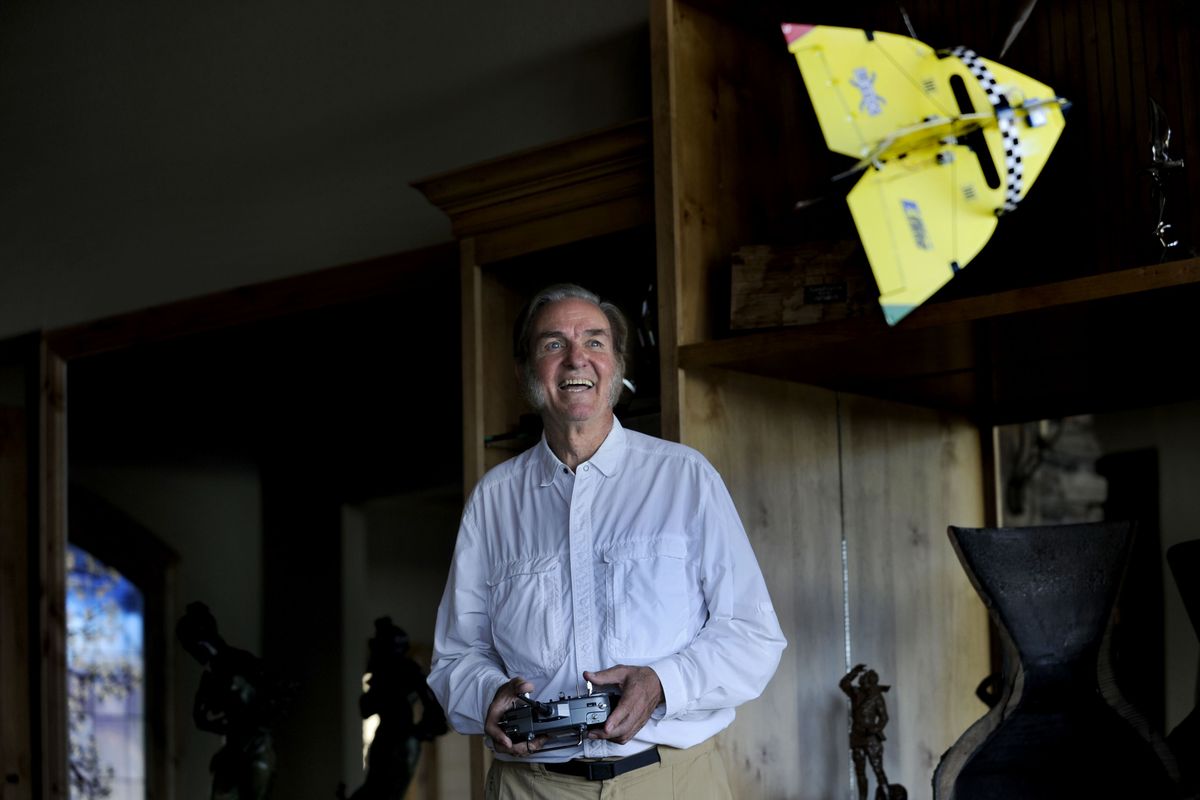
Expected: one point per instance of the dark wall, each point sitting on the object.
(310, 412)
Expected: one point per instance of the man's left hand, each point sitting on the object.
(641, 693)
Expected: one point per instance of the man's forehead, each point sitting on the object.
(572, 314)
(550, 333)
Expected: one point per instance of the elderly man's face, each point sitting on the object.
(573, 361)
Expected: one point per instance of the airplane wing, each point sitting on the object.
(947, 141)
(860, 83)
(920, 223)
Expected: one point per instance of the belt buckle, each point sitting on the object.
(601, 770)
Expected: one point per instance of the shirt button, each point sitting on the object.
(565, 470)
(586, 467)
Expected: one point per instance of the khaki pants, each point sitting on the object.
(695, 774)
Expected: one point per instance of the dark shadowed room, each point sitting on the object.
(634, 399)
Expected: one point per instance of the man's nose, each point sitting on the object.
(575, 354)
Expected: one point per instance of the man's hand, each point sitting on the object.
(506, 698)
(641, 692)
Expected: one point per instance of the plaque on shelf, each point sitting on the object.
(774, 286)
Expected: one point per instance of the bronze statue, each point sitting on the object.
(868, 716)
(396, 683)
(236, 699)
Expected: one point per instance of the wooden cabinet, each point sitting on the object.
(578, 211)
(845, 498)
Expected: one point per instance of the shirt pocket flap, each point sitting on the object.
(527, 566)
(658, 547)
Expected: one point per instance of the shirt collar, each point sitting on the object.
(548, 463)
(607, 459)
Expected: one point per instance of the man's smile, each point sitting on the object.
(576, 385)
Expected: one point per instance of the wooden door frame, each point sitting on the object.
(34, 620)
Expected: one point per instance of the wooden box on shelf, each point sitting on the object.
(773, 286)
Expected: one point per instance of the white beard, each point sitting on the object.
(535, 393)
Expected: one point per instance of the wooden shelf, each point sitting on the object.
(1109, 341)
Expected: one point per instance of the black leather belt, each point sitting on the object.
(605, 770)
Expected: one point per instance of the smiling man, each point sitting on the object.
(607, 556)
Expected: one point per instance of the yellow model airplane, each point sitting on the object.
(946, 141)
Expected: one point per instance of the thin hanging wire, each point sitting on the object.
(845, 563)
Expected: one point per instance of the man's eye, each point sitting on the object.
(553, 345)
(595, 343)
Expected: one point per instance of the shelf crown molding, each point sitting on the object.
(595, 169)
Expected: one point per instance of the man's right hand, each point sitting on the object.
(506, 698)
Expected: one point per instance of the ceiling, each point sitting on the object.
(156, 151)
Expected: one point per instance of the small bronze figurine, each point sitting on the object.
(396, 683)
(236, 699)
(868, 716)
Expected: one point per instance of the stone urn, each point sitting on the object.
(1059, 729)
(1184, 739)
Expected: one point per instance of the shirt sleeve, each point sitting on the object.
(466, 671)
(737, 651)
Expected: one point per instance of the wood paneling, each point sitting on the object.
(16, 755)
(775, 445)
(666, 221)
(472, 365)
(908, 473)
(898, 477)
(52, 581)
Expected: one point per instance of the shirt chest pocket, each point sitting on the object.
(525, 606)
(650, 598)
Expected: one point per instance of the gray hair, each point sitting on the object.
(523, 338)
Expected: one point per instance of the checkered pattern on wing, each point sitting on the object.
(1014, 177)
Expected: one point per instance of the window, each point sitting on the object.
(105, 681)
(120, 626)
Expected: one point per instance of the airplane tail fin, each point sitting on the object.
(792, 31)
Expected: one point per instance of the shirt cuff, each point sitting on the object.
(489, 686)
(672, 686)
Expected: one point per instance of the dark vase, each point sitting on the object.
(1184, 739)
(1059, 728)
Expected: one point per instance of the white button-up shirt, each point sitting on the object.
(638, 558)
